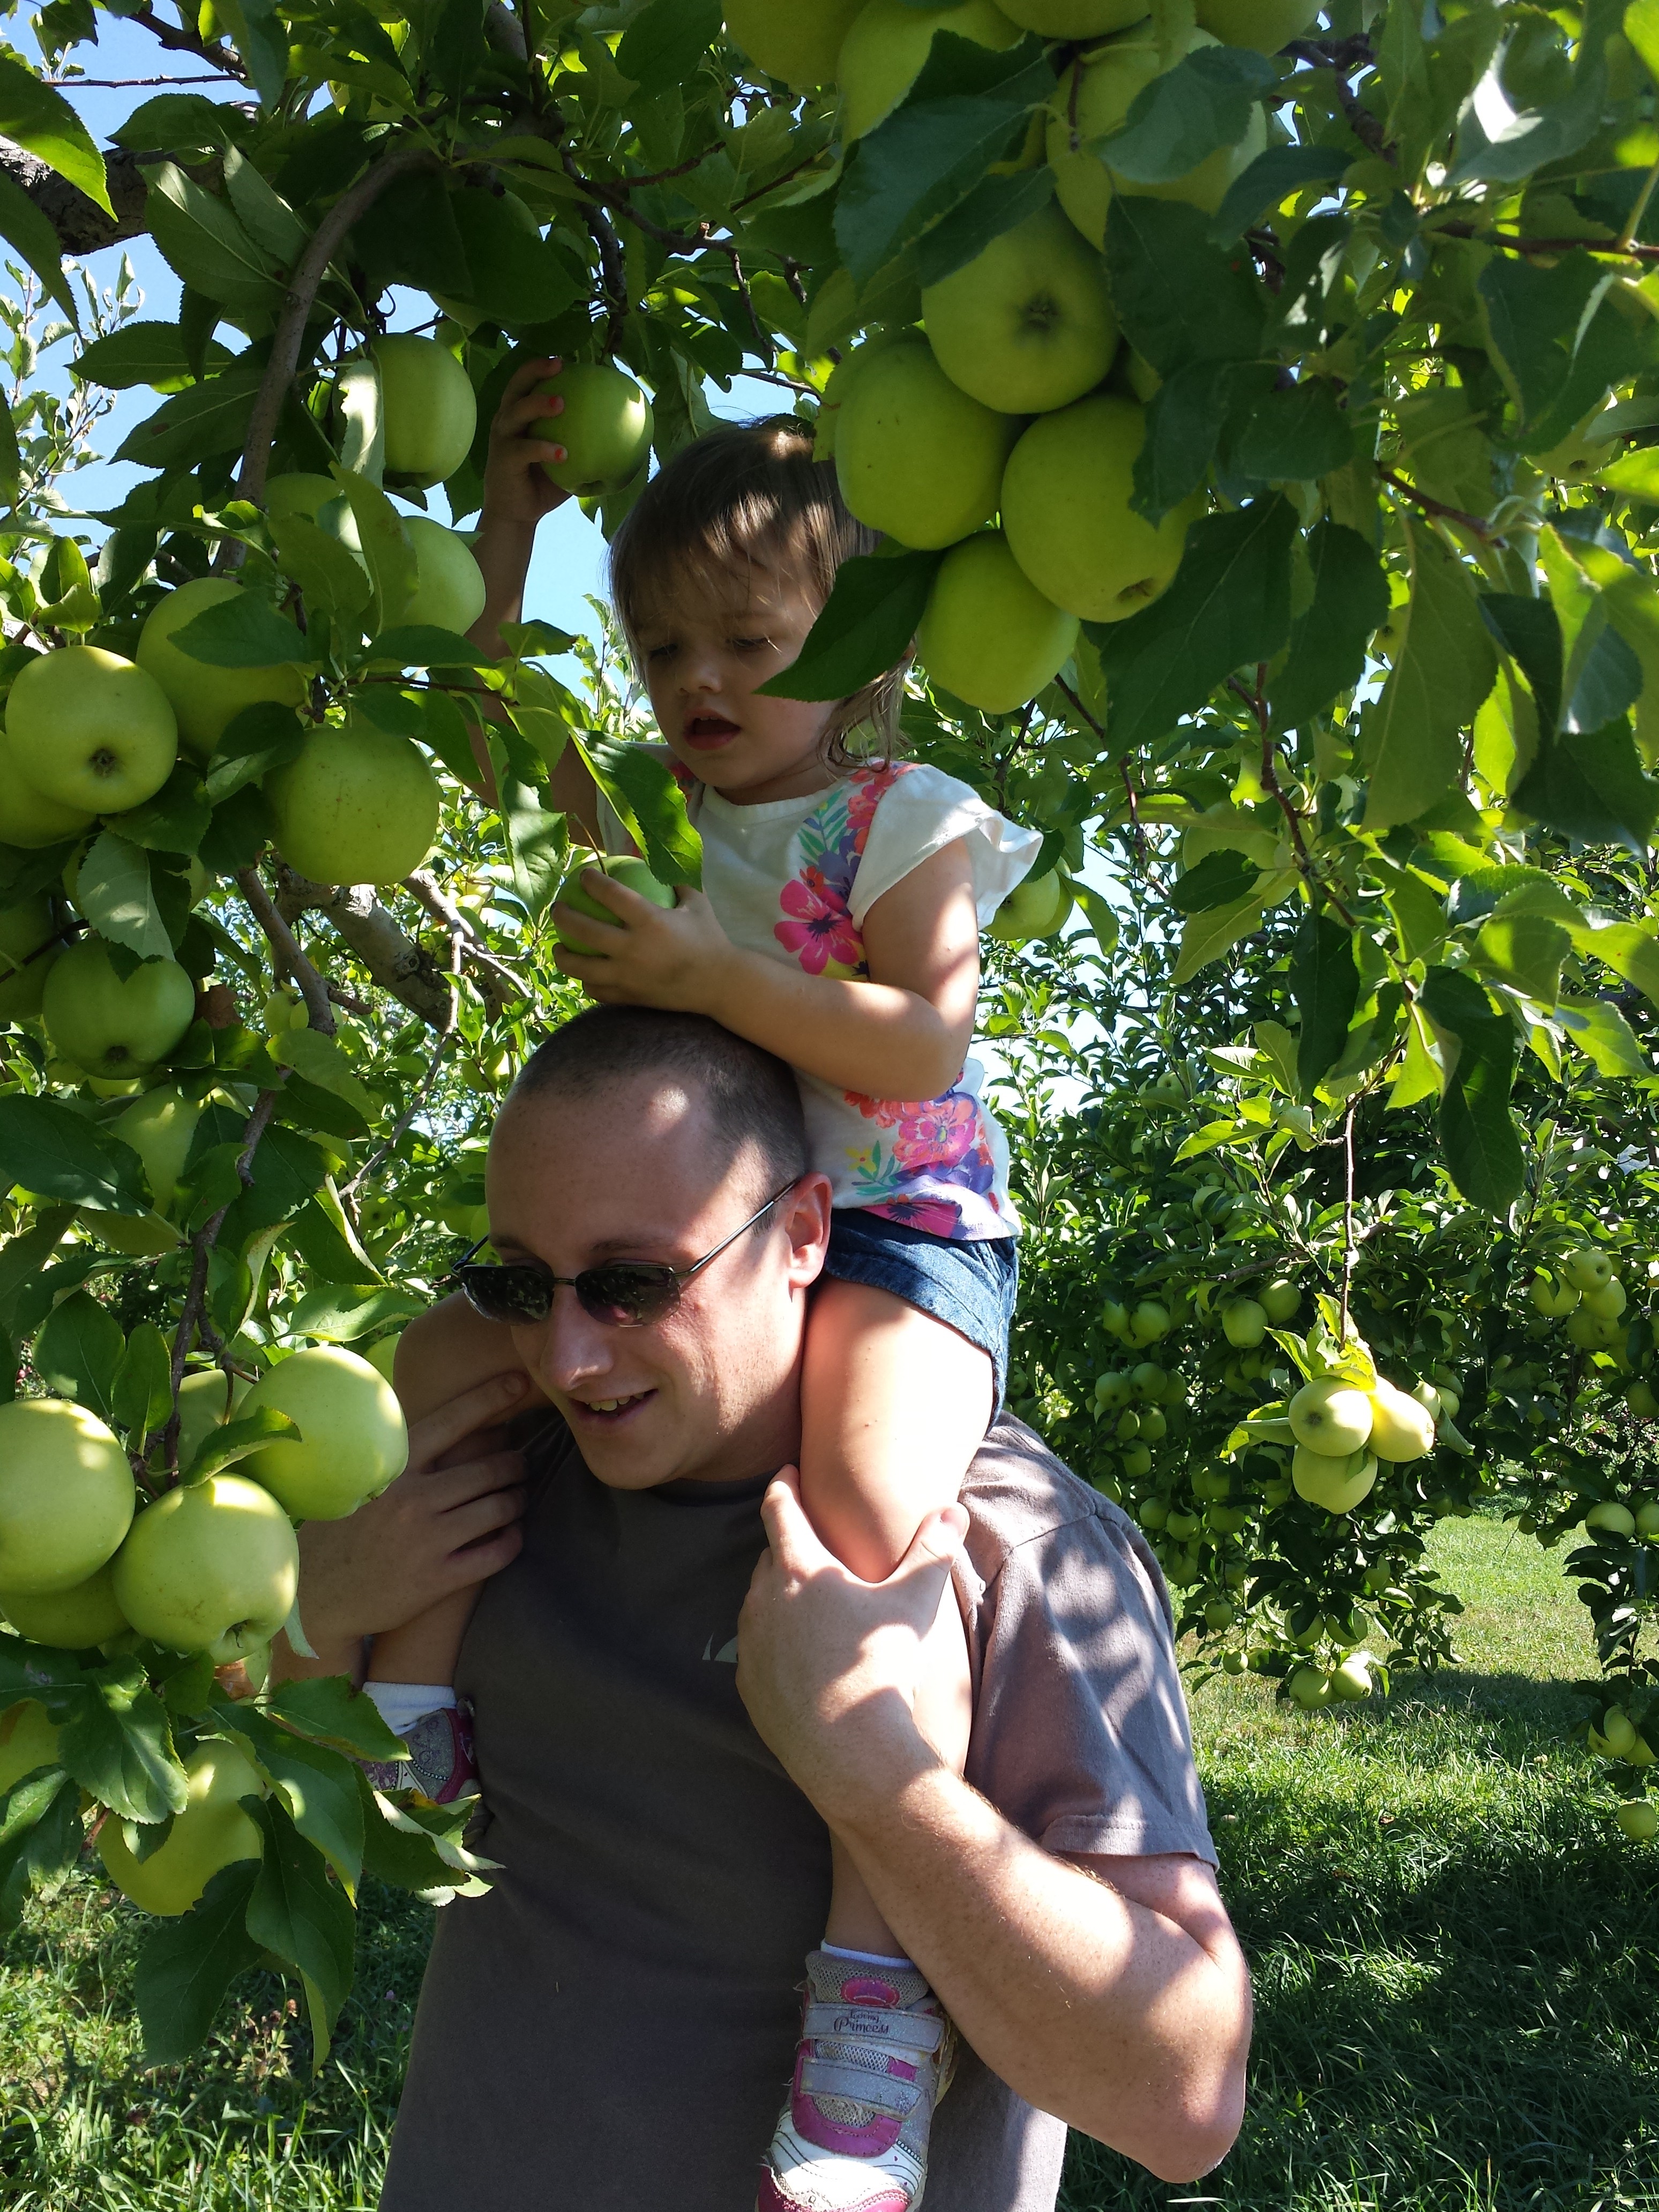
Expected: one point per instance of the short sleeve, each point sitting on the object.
(924, 810)
(1080, 1735)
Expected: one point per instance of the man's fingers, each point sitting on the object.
(474, 1518)
(793, 1540)
(477, 1408)
(477, 1562)
(452, 1488)
(931, 1552)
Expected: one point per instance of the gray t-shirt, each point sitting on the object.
(613, 2026)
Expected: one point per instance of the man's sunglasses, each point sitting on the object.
(622, 1294)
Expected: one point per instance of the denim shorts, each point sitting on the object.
(970, 1287)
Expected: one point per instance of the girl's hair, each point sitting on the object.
(745, 497)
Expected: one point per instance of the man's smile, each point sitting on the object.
(608, 1410)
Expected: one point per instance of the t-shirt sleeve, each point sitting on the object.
(924, 810)
(1080, 1735)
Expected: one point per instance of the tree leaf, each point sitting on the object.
(298, 1914)
(142, 1394)
(317, 1785)
(204, 420)
(1442, 673)
(996, 203)
(1329, 639)
(1204, 102)
(537, 839)
(1221, 879)
(663, 45)
(1179, 299)
(652, 806)
(260, 738)
(865, 627)
(1524, 950)
(117, 890)
(387, 554)
(47, 1148)
(1229, 605)
(78, 1351)
(36, 115)
(1477, 1130)
(1603, 1035)
(1301, 433)
(334, 581)
(117, 1741)
(327, 1708)
(1530, 634)
(1608, 680)
(27, 231)
(1268, 181)
(142, 353)
(1184, 418)
(423, 645)
(1325, 985)
(230, 1441)
(1209, 934)
(337, 1315)
(1590, 785)
(187, 1964)
(174, 821)
(204, 245)
(245, 632)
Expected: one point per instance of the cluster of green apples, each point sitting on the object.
(1006, 429)
(1342, 1430)
(1582, 1291)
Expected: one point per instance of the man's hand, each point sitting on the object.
(450, 1520)
(828, 1665)
(677, 957)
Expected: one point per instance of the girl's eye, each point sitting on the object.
(658, 652)
(751, 644)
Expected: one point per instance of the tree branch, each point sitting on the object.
(395, 961)
(82, 226)
(501, 986)
(289, 958)
(422, 1090)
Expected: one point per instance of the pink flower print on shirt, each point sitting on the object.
(820, 931)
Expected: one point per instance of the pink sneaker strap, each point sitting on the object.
(894, 2030)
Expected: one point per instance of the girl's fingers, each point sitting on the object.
(531, 372)
(523, 413)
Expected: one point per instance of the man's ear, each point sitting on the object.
(806, 1223)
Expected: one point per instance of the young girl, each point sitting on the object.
(838, 928)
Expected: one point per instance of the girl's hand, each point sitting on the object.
(677, 958)
(517, 492)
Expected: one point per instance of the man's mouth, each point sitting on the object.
(708, 730)
(608, 1408)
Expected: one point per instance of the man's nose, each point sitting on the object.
(574, 1347)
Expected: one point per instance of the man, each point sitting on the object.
(611, 2026)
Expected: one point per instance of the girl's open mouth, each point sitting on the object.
(708, 730)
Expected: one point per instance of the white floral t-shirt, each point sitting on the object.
(793, 880)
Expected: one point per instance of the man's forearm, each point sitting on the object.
(1091, 2005)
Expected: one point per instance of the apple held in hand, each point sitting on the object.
(987, 632)
(1402, 1429)
(1036, 908)
(90, 730)
(428, 415)
(353, 1441)
(606, 429)
(798, 40)
(110, 1026)
(449, 585)
(1027, 325)
(202, 697)
(1065, 509)
(66, 1495)
(30, 941)
(624, 868)
(212, 1567)
(915, 457)
(1331, 1416)
(886, 50)
(72, 1619)
(357, 806)
(212, 1831)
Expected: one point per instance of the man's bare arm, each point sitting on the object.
(1111, 1992)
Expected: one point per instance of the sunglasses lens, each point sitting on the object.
(509, 1294)
(627, 1296)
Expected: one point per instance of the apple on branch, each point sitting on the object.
(352, 1438)
(90, 730)
(428, 415)
(66, 1495)
(1027, 325)
(987, 632)
(111, 1025)
(206, 699)
(357, 805)
(212, 1831)
(211, 1567)
(915, 457)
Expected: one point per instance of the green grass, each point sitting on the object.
(1457, 1963)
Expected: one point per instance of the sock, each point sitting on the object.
(401, 1705)
(864, 1958)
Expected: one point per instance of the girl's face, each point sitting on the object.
(706, 642)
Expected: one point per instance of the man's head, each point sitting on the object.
(642, 1135)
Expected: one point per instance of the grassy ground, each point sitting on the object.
(1455, 1968)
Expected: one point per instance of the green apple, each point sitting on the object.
(1128, 1424)
(1219, 1615)
(1243, 1322)
(1338, 1485)
(1093, 99)
(1401, 1430)
(206, 1399)
(27, 1740)
(798, 40)
(1331, 1416)
(28, 820)
(1639, 1819)
(1150, 1381)
(72, 1619)
(30, 941)
(1310, 1688)
(1592, 1332)
(212, 1567)
(212, 1831)
(606, 429)
(915, 457)
(624, 868)
(428, 414)
(1149, 1321)
(90, 730)
(1279, 1300)
(1352, 1679)
(110, 1027)
(1181, 1524)
(1619, 1731)
(885, 51)
(1075, 19)
(1112, 1391)
(1647, 1518)
(158, 1127)
(987, 632)
(1588, 1268)
(1154, 1425)
(449, 584)
(1036, 908)
(357, 806)
(1610, 1520)
(1114, 1318)
(1066, 508)
(300, 493)
(1136, 1462)
(1607, 1300)
(353, 1441)
(1556, 1298)
(1027, 325)
(382, 1354)
(1267, 25)
(202, 697)
(66, 1495)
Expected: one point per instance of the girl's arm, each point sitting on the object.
(903, 1034)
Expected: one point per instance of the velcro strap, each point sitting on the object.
(894, 2031)
(883, 2093)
